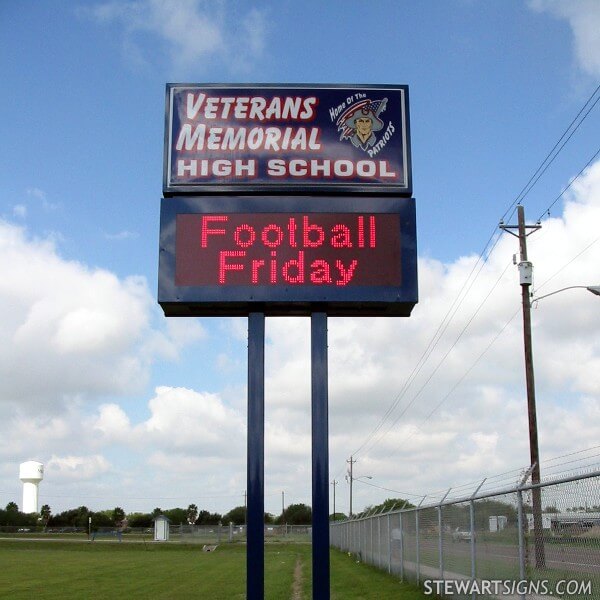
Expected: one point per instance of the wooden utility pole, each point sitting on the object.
(283, 510)
(334, 483)
(351, 480)
(525, 276)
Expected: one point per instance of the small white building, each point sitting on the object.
(161, 529)
(498, 523)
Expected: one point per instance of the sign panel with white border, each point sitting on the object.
(296, 139)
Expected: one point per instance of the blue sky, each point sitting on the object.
(125, 407)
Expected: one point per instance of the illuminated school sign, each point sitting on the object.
(239, 255)
(287, 138)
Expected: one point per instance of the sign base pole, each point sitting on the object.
(255, 529)
(320, 458)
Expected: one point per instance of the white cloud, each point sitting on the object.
(75, 328)
(70, 331)
(42, 197)
(584, 18)
(32, 435)
(193, 32)
(76, 468)
(180, 420)
(112, 423)
(37, 193)
(199, 422)
(185, 331)
(122, 235)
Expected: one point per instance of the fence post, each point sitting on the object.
(389, 537)
(364, 547)
(521, 530)
(521, 537)
(440, 545)
(418, 548)
(379, 540)
(371, 553)
(472, 527)
(347, 536)
(441, 535)
(472, 515)
(418, 545)
(350, 538)
(401, 548)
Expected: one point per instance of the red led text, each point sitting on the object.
(288, 249)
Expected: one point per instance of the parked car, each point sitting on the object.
(461, 535)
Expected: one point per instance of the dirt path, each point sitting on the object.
(297, 586)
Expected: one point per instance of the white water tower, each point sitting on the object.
(31, 473)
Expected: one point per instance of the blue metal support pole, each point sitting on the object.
(320, 458)
(255, 529)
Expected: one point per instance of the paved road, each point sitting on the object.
(567, 557)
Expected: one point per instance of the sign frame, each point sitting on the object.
(283, 185)
(284, 299)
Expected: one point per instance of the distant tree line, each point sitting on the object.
(454, 515)
(12, 516)
(294, 514)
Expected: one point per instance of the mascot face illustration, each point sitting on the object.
(364, 127)
(360, 122)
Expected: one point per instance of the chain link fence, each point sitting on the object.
(184, 533)
(220, 534)
(490, 545)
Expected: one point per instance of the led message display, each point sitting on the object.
(282, 138)
(338, 249)
(352, 259)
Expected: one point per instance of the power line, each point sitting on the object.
(547, 211)
(462, 378)
(543, 284)
(500, 480)
(547, 160)
(571, 454)
(442, 360)
(434, 341)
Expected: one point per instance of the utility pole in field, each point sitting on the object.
(334, 483)
(283, 511)
(350, 474)
(525, 276)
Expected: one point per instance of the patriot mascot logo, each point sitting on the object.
(359, 122)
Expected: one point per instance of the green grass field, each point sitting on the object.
(109, 570)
